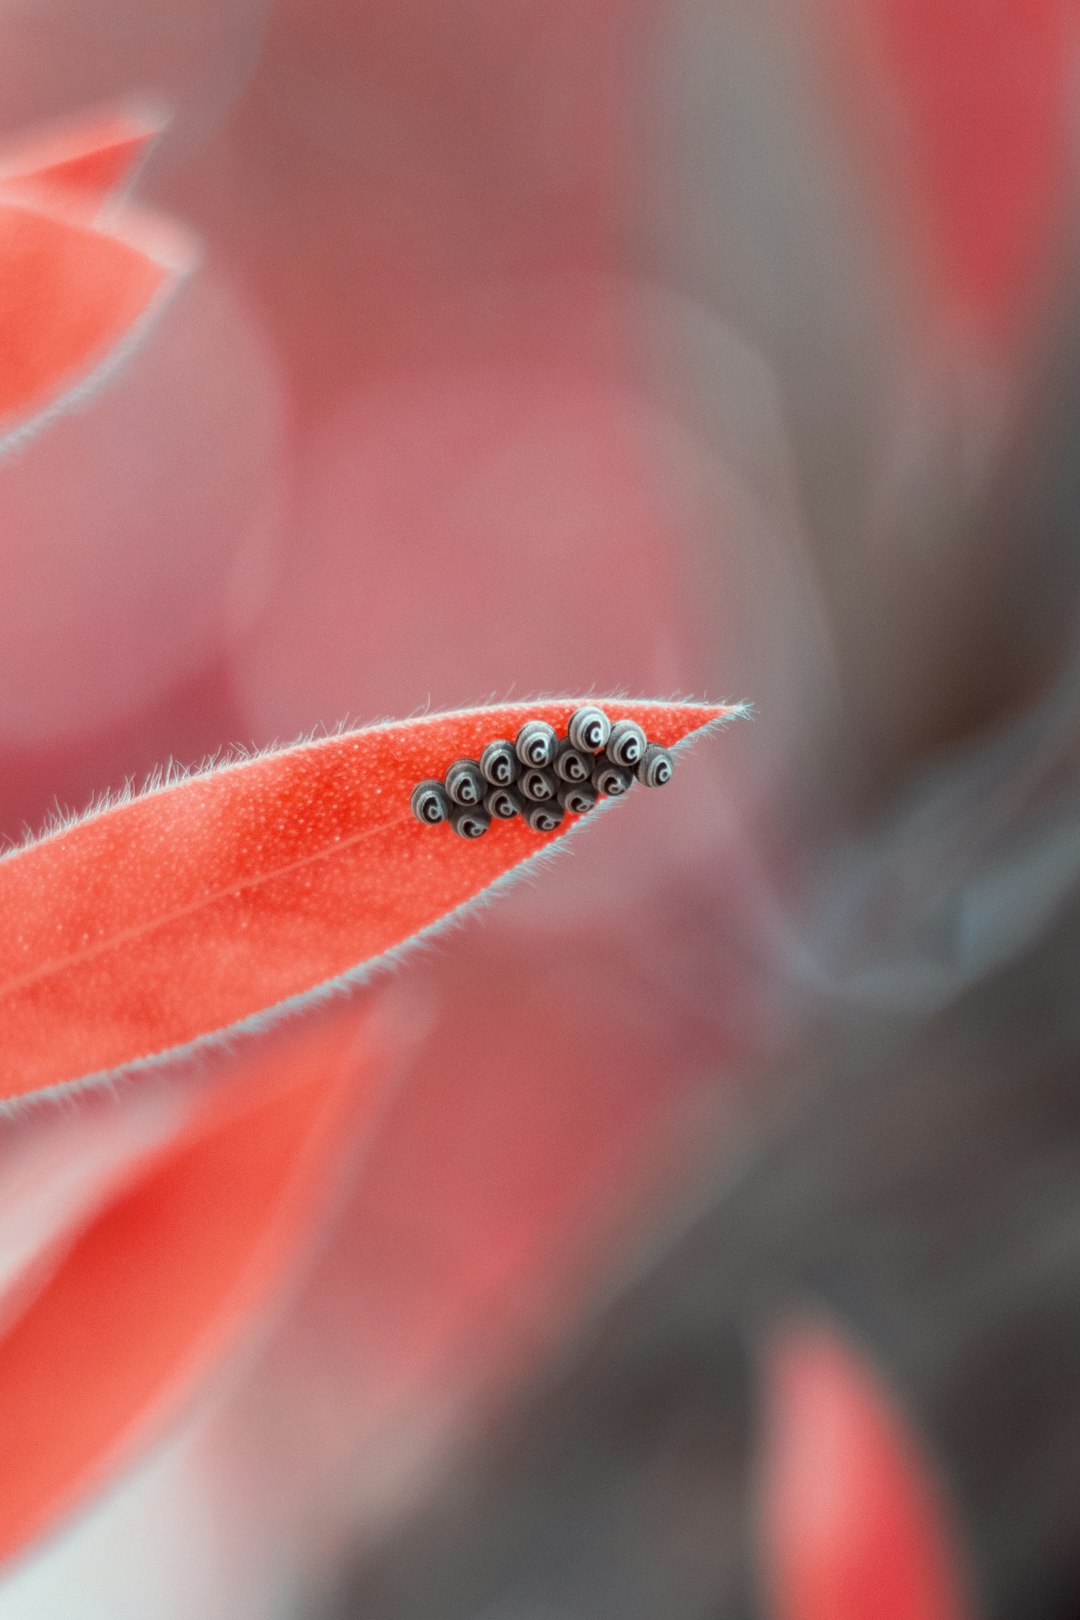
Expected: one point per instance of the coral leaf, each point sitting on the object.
(91, 159)
(160, 1284)
(852, 1521)
(69, 298)
(203, 903)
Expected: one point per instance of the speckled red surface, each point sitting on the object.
(184, 911)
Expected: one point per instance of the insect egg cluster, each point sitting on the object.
(542, 777)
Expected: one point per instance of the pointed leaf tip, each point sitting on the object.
(69, 298)
(75, 289)
(200, 905)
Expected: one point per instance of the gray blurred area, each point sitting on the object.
(921, 1182)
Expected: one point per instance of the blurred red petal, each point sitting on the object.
(90, 158)
(197, 906)
(57, 1167)
(159, 1286)
(971, 105)
(69, 297)
(852, 1521)
(141, 534)
(72, 296)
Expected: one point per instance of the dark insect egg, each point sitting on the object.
(656, 767)
(577, 797)
(611, 779)
(535, 743)
(500, 763)
(543, 817)
(626, 744)
(465, 782)
(589, 729)
(469, 820)
(502, 804)
(571, 765)
(429, 803)
(538, 785)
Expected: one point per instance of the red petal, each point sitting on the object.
(58, 1167)
(972, 103)
(852, 1522)
(194, 907)
(160, 1285)
(92, 159)
(69, 296)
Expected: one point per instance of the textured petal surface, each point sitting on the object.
(194, 907)
(159, 1285)
(851, 1518)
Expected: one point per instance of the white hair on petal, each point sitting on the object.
(374, 968)
(172, 774)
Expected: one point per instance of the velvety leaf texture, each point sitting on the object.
(201, 904)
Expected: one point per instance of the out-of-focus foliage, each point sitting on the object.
(691, 346)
